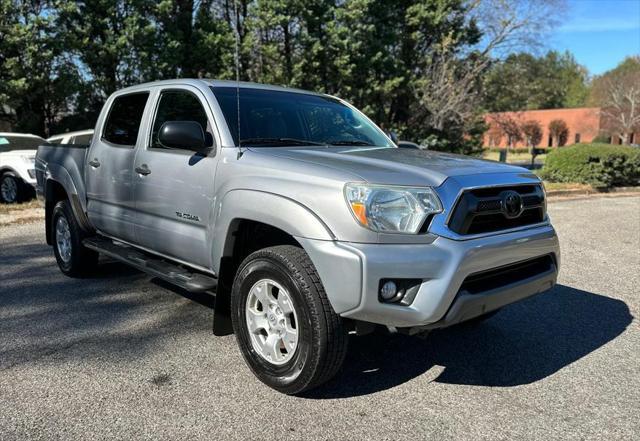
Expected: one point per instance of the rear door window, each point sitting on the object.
(123, 122)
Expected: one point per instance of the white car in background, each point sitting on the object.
(79, 137)
(17, 170)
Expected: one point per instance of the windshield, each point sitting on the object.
(270, 118)
(9, 142)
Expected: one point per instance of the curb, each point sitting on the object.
(579, 193)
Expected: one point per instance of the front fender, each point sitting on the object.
(269, 208)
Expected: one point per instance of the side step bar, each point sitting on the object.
(155, 266)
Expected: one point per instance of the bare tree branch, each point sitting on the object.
(621, 106)
(448, 89)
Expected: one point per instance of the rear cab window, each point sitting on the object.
(124, 119)
(82, 139)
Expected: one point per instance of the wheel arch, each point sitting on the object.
(54, 192)
(5, 168)
(280, 212)
(8, 169)
(250, 220)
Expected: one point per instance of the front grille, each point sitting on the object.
(506, 275)
(484, 210)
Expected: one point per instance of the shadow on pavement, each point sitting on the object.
(114, 313)
(42, 312)
(524, 343)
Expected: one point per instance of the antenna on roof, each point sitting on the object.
(237, 63)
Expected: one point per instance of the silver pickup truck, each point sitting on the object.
(299, 214)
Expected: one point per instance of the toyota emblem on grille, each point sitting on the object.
(512, 204)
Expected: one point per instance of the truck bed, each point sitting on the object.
(62, 159)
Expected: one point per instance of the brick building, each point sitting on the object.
(584, 125)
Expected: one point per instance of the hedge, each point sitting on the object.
(599, 165)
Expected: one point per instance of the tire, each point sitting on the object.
(73, 258)
(321, 335)
(12, 189)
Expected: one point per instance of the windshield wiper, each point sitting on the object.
(350, 142)
(279, 141)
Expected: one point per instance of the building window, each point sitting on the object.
(550, 142)
(577, 138)
(632, 138)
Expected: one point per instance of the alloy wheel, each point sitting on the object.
(272, 321)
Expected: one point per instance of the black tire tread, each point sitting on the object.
(84, 260)
(21, 194)
(334, 342)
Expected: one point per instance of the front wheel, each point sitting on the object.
(285, 326)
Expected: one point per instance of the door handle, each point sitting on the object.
(143, 170)
(94, 163)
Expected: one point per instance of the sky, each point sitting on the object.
(600, 33)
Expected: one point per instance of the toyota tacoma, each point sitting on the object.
(299, 214)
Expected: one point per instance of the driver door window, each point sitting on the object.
(179, 105)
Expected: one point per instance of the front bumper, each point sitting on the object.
(351, 273)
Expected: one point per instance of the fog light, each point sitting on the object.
(388, 291)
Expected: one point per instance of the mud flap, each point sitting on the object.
(222, 313)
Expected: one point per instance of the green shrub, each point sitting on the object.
(601, 139)
(599, 165)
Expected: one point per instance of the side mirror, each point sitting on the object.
(185, 135)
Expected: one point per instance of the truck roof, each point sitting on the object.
(217, 83)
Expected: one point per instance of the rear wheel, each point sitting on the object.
(285, 326)
(73, 258)
(11, 188)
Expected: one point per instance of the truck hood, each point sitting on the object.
(390, 165)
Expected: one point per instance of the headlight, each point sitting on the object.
(391, 209)
(28, 159)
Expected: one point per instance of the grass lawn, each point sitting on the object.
(513, 157)
(563, 186)
(6, 208)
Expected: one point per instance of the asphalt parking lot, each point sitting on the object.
(123, 356)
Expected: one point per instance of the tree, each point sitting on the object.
(508, 125)
(532, 131)
(448, 88)
(559, 132)
(524, 82)
(37, 78)
(415, 66)
(495, 135)
(618, 93)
